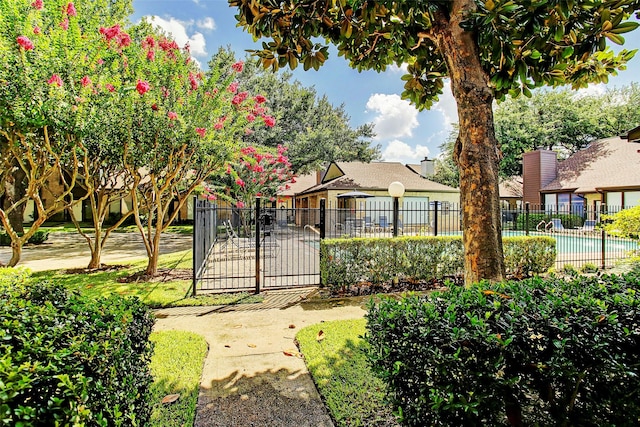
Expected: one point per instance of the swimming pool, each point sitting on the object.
(582, 244)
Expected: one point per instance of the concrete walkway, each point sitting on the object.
(247, 379)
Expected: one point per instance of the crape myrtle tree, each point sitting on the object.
(487, 49)
(314, 131)
(44, 55)
(181, 125)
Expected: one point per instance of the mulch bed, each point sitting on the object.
(407, 285)
(103, 268)
(163, 275)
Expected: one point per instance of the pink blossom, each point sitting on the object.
(193, 81)
(25, 42)
(247, 150)
(149, 42)
(165, 92)
(293, 180)
(110, 87)
(65, 24)
(260, 99)
(154, 107)
(240, 182)
(218, 125)
(258, 168)
(55, 80)
(211, 197)
(258, 194)
(123, 39)
(168, 45)
(71, 10)
(172, 115)
(100, 61)
(237, 67)
(250, 117)
(269, 121)
(37, 30)
(228, 169)
(85, 81)
(111, 32)
(201, 132)
(239, 98)
(142, 87)
(151, 55)
(248, 131)
(37, 4)
(240, 204)
(233, 87)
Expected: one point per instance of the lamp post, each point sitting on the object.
(396, 190)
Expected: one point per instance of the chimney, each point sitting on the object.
(319, 176)
(539, 168)
(427, 167)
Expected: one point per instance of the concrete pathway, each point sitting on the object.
(247, 379)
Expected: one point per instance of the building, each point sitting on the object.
(606, 172)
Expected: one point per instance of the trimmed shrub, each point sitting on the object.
(533, 352)
(68, 361)
(344, 262)
(567, 220)
(39, 237)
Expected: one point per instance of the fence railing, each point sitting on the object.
(286, 250)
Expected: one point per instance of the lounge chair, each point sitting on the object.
(383, 223)
(368, 225)
(247, 243)
(589, 226)
(555, 226)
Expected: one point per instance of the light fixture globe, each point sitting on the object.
(396, 189)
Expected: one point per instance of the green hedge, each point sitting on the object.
(344, 262)
(534, 352)
(567, 220)
(40, 236)
(65, 360)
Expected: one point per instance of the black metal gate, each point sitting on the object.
(254, 249)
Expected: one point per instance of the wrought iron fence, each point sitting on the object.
(257, 247)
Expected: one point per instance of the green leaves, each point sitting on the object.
(473, 356)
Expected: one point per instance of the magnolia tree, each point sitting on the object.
(487, 50)
(45, 56)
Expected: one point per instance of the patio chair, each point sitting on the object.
(589, 226)
(555, 226)
(248, 243)
(383, 223)
(368, 225)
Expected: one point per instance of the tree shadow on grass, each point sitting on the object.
(268, 398)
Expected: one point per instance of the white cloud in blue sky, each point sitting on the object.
(399, 151)
(395, 117)
(206, 23)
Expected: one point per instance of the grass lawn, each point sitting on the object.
(159, 293)
(176, 367)
(353, 395)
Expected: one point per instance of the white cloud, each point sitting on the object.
(179, 31)
(207, 23)
(447, 107)
(398, 70)
(399, 151)
(396, 117)
(591, 90)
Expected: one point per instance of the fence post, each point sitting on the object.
(257, 221)
(435, 217)
(194, 246)
(526, 218)
(323, 207)
(603, 240)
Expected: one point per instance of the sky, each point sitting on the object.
(404, 134)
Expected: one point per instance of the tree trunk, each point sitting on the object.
(96, 250)
(476, 150)
(14, 190)
(16, 253)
